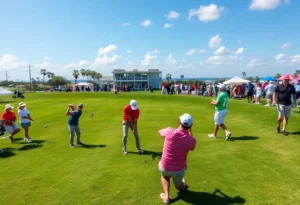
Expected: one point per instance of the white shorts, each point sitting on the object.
(220, 116)
(10, 129)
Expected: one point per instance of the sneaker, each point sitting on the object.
(228, 135)
(72, 146)
(29, 140)
(267, 105)
(11, 139)
(278, 129)
(125, 152)
(212, 136)
(140, 151)
(285, 133)
(80, 143)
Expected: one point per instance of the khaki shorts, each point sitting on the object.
(284, 110)
(176, 176)
(12, 128)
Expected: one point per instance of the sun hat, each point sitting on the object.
(21, 104)
(133, 105)
(222, 86)
(8, 106)
(186, 119)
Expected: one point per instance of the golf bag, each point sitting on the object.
(2, 129)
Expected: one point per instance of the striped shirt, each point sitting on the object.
(178, 142)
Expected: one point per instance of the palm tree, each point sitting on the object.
(93, 75)
(297, 73)
(168, 77)
(44, 73)
(278, 75)
(181, 77)
(38, 79)
(88, 73)
(76, 74)
(82, 72)
(98, 77)
(244, 74)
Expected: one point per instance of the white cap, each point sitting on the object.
(186, 119)
(8, 106)
(133, 105)
(21, 104)
(222, 86)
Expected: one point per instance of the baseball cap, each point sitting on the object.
(133, 105)
(286, 77)
(21, 104)
(222, 86)
(186, 119)
(80, 105)
(8, 106)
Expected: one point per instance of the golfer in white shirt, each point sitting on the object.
(25, 120)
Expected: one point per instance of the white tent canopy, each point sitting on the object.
(235, 80)
(4, 91)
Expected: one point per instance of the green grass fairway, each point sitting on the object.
(258, 166)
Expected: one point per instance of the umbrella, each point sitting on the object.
(268, 78)
(289, 76)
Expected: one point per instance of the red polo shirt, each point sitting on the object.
(134, 114)
(8, 116)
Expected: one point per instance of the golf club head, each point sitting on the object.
(92, 114)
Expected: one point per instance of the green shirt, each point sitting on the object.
(222, 101)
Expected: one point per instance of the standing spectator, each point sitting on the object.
(250, 89)
(270, 88)
(297, 88)
(173, 163)
(9, 119)
(282, 95)
(258, 93)
(73, 123)
(130, 120)
(24, 120)
(221, 112)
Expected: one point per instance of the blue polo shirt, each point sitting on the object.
(297, 87)
(250, 88)
(74, 118)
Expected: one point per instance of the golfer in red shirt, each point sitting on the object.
(9, 119)
(130, 119)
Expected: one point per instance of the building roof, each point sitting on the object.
(136, 71)
(106, 78)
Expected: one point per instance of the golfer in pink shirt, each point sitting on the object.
(178, 142)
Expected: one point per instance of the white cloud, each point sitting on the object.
(106, 60)
(191, 52)
(168, 25)
(148, 59)
(130, 63)
(264, 4)
(129, 51)
(106, 50)
(46, 62)
(215, 41)
(220, 60)
(9, 62)
(286, 45)
(221, 51)
(156, 51)
(256, 63)
(146, 23)
(295, 59)
(170, 60)
(287, 1)
(202, 51)
(239, 51)
(126, 24)
(172, 15)
(80, 65)
(280, 58)
(207, 13)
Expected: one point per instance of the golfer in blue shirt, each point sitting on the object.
(73, 123)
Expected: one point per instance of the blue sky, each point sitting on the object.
(194, 38)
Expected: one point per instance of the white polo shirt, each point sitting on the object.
(23, 113)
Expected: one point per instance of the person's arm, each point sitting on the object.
(69, 111)
(274, 97)
(215, 102)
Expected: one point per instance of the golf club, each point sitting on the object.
(91, 113)
(45, 126)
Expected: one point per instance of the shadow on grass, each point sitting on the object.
(216, 198)
(32, 142)
(5, 101)
(243, 138)
(8, 152)
(151, 153)
(296, 111)
(91, 146)
(294, 133)
(33, 145)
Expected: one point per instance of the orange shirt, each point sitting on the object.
(8, 116)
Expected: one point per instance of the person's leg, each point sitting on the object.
(178, 180)
(165, 182)
(285, 123)
(216, 129)
(26, 131)
(78, 133)
(287, 114)
(72, 132)
(125, 135)
(137, 139)
(281, 115)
